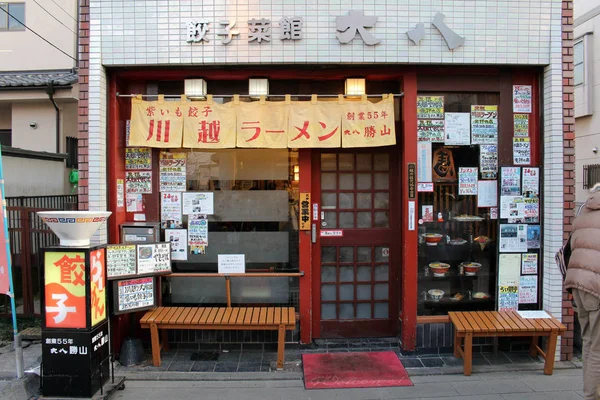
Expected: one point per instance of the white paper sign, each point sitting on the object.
(529, 264)
(232, 263)
(521, 125)
(154, 258)
(522, 98)
(120, 193)
(178, 239)
(411, 216)
(172, 172)
(513, 239)
(509, 269)
(170, 210)
(521, 151)
(198, 203)
(531, 181)
(424, 164)
(484, 124)
(488, 161)
(510, 181)
(512, 207)
(467, 180)
(534, 314)
(425, 187)
(430, 130)
(487, 194)
(120, 260)
(458, 129)
(528, 288)
(134, 202)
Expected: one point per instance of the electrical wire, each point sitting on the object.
(58, 20)
(65, 11)
(40, 36)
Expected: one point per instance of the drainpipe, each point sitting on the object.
(50, 91)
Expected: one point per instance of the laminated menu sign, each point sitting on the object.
(531, 182)
(424, 159)
(488, 161)
(522, 98)
(509, 268)
(511, 181)
(154, 258)
(198, 235)
(138, 158)
(120, 193)
(508, 298)
(531, 209)
(513, 238)
(533, 236)
(430, 107)
(521, 151)
(529, 263)
(138, 182)
(528, 288)
(467, 180)
(170, 210)
(430, 130)
(484, 124)
(120, 260)
(487, 194)
(198, 203)
(172, 168)
(521, 125)
(134, 294)
(458, 129)
(178, 239)
(134, 202)
(512, 207)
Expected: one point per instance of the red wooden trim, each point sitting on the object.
(304, 164)
(116, 163)
(315, 163)
(410, 249)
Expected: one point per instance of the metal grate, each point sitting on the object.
(591, 175)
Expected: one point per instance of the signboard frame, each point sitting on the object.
(119, 277)
(115, 296)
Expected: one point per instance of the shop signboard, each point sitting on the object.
(368, 124)
(430, 107)
(138, 182)
(484, 124)
(522, 98)
(521, 125)
(135, 294)
(172, 172)
(153, 258)
(138, 158)
(304, 211)
(412, 181)
(121, 260)
(98, 286)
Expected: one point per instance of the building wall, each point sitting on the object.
(23, 50)
(31, 177)
(5, 116)
(43, 138)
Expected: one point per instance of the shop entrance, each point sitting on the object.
(356, 254)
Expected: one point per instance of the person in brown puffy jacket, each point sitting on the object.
(583, 280)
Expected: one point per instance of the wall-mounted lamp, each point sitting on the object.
(595, 150)
(258, 87)
(33, 125)
(296, 173)
(195, 88)
(355, 86)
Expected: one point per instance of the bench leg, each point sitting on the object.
(549, 362)
(533, 347)
(155, 345)
(456, 345)
(164, 338)
(280, 347)
(468, 353)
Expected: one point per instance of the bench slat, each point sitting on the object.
(547, 323)
(277, 315)
(168, 315)
(240, 317)
(220, 315)
(466, 323)
(149, 315)
(292, 316)
(248, 317)
(226, 316)
(529, 326)
(159, 316)
(472, 321)
(255, 315)
(495, 318)
(262, 319)
(182, 315)
(192, 315)
(202, 317)
(233, 316)
(177, 315)
(498, 326)
(506, 320)
(212, 315)
(455, 319)
(537, 323)
(270, 316)
(490, 326)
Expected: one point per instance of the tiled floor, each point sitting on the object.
(257, 359)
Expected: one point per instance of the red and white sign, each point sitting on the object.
(332, 233)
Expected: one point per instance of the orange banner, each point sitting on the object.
(262, 124)
(315, 124)
(366, 124)
(64, 286)
(208, 125)
(156, 123)
(98, 310)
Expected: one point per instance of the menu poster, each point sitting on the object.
(512, 207)
(135, 294)
(430, 130)
(508, 298)
(529, 264)
(138, 182)
(120, 193)
(424, 162)
(430, 107)
(427, 213)
(198, 203)
(531, 182)
(425, 187)
(521, 151)
(172, 168)
(532, 210)
(487, 194)
(521, 125)
(120, 260)
(154, 258)
(534, 235)
(513, 238)
(178, 239)
(488, 161)
(511, 181)
(467, 180)
(170, 210)
(493, 212)
(522, 98)
(484, 124)
(198, 235)
(528, 289)
(138, 158)
(127, 131)
(458, 129)
(509, 268)
(134, 202)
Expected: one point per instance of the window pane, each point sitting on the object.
(346, 162)
(18, 13)
(328, 311)
(364, 254)
(346, 292)
(363, 220)
(382, 273)
(382, 162)
(382, 220)
(330, 220)
(346, 200)
(363, 200)
(363, 162)
(328, 182)
(381, 291)
(363, 274)
(328, 292)
(381, 310)
(346, 254)
(578, 74)
(346, 274)
(382, 200)
(363, 311)
(346, 311)
(363, 181)
(346, 220)
(3, 17)
(363, 292)
(327, 274)
(382, 181)
(347, 181)
(578, 53)
(328, 254)
(328, 162)
(328, 201)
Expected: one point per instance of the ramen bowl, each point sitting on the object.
(74, 228)
(439, 269)
(436, 294)
(471, 268)
(432, 239)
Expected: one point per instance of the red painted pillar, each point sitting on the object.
(410, 248)
(305, 246)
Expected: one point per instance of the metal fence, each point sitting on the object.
(591, 175)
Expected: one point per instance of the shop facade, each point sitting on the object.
(462, 211)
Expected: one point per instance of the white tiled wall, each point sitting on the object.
(153, 32)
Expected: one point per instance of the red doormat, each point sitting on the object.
(353, 370)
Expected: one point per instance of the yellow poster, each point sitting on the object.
(98, 287)
(156, 123)
(315, 124)
(305, 211)
(366, 124)
(208, 125)
(64, 289)
(262, 124)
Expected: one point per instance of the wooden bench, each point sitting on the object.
(218, 318)
(468, 325)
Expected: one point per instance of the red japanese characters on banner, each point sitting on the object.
(98, 288)
(315, 124)
(64, 287)
(209, 125)
(156, 123)
(366, 124)
(262, 124)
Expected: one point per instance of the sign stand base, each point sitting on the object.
(109, 389)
